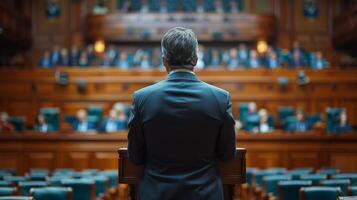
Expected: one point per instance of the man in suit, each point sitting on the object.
(180, 127)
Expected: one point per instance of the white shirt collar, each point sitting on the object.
(182, 70)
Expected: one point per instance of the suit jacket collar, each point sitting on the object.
(182, 75)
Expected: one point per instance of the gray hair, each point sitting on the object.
(179, 47)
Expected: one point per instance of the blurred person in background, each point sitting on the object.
(231, 59)
(112, 54)
(42, 125)
(215, 60)
(74, 56)
(264, 126)
(318, 62)
(243, 55)
(91, 55)
(64, 58)
(45, 60)
(122, 62)
(113, 123)
(55, 55)
(83, 60)
(343, 126)
(300, 125)
(254, 60)
(105, 61)
(145, 62)
(82, 124)
(297, 60)
(5, 125)
(272, 61)
(201, 58)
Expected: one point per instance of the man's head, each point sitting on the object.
(179, 49)
(82, 115)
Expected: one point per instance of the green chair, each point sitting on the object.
(18, 123)
(297, 173)
(289, 190)
(96, 111)
(249, 175)
(37, 176)
(112, 175)
(52, 193)
(257, 178)
(332, 118)
(350, 176)
(83, 189)
(284, 112)
(62, 172)
(52, 117)
(318, 192)
(56, 180)
(15, 179)
(5, 184)
(25, 186)
(328, 171)
(243, 112)
(352, 190)
(101, 185)
(314, 178)
(342, 183)
(16, 198)
(270, 183)
(7, 191)
(3, 174)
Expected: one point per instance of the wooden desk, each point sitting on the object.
(232, 173)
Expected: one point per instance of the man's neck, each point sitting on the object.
(181, 70)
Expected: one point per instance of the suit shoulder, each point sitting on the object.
(216, 90)
(146, 91)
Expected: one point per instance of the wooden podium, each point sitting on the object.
(232, 173)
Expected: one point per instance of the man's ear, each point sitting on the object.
(194, 62)
(166, 65)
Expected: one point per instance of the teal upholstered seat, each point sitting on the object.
(348, 198)
(351, 177)
(297, 173)
(342, 183)
(52, 193)
(37, 176)
(249, 175)
(83, 189)
(270, 183)
(314, 178)
(101, 185)
(16, 198)
(7, 191)
(328, 171)
(289, 190)
(5, 184)
(56, 180)
(63, 172)
(15, 179)
(352, 190)
(3, 174)
(25, 186)
(319, 192)
(112, 175)
(260, 174)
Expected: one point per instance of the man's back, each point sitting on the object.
(178, 129)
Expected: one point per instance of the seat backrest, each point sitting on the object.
(83, 189)
(5, 184)
(16, 198)
(342, 183)
(112, 175)
(328, 171)
(101, 185)
(257, 178)
(350, 176)
(289, 190)
(297, 173)
(314, 178)
(52, 193)
(15, 179)
(25, 186)
(352, 190)
(270, 183)
(7, 191)
(319, 192)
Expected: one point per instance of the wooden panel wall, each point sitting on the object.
(78, 151)
(26, 92)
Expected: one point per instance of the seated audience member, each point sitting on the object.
(83, 60)
(272, 61)
(243, 55)
(252, 108)
(105, 61)
(318, 62)
(55, 55)
(74, 56)
(113, 123)
(64, 58)
(264, 126)
(145, 62)
(122, 110)
(231, 59)
(297, 60)
(254, 60)
(343, 126)
(112, 54)
(122, 62)
(82, 124)
(297, 48)
(45, 61)
(215, 59)
(300, 124)
(201, 58)
(5, 125)
(42, 126)
(91, 55)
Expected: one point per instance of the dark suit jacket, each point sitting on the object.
(179, 128)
